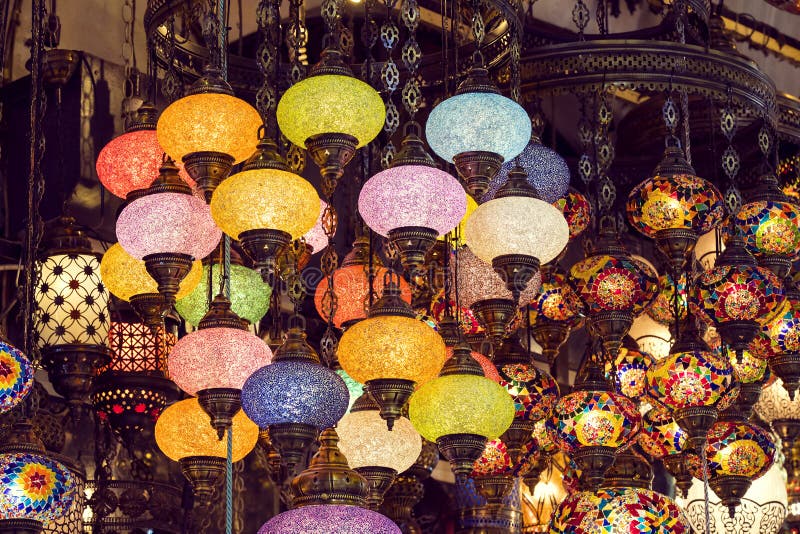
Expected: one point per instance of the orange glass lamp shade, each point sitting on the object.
(183, 430)
(125, 276)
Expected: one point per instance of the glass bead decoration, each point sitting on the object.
(556, 302)
(477, 280)
(629, 372)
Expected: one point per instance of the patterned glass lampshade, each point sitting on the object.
(661, 436)
(662, 308)
(534, 391)
(16, 376)
(630, 368)
(495, 460)
(471, 206)
(366, 442)
(577, 211)
(466, 318)
(612, 283)
(477, 281)
(331, 519)
(135, 348)
(547, 172)
(784, 329)
(736, 448)
(489, 369)
(774, 404)
(690, 378)
(770, 227)
(652, 337)
(738, 293)
(556, 302)
(34, 487)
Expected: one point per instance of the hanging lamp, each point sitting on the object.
(554, 312)
(16, 376)
(784, 337)
(664, 440)
(577, 211)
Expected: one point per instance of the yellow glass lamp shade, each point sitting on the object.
(461, 404)
(125, 276)
(209, 122)
(331, 103)
(265, 199)
(471, 206)
(391, 346)
(366, 442)
(184, 430)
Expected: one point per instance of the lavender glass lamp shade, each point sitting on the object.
(316, 237)
(330, 519)
(547, 172)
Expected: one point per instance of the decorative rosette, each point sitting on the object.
(34, 487)
(630, 370)
(692, 378)
(612, 283)
(735, 448)
(556, 302)
(661, 435)
(577, 211)
(770, 227)
(16, 377)
(534, 391)
(750, 369)
(662, 309)
(738, 293)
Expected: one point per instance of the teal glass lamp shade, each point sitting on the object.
(485, 122)
(356, 389)
(249, 295)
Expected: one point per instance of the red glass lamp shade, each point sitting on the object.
(612, 283)
(738, 293)
(135, 348)
(577, 211)
(489, 370)
(661, 436)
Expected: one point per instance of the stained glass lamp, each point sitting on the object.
(628, 371)
(16, 376)
(663, 439)
(662, 309)
(577, 211)
(466, 318)
(208, 129)
(547, 172)
(784, 335)
(554, 312)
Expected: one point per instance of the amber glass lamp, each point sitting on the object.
(554, 312)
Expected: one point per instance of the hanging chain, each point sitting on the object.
(412, 56)
(515, 52)
(580, 16)
(585, 129)
(730, 157)
(172, 88)
(213, 33)
(604, 153)
(131, 83)
(268, 20)
(680, 9)
(390, 79)
(296, 40)
(602, 17)
(478, 25)
(331, 14)
(328, 264)
(291, 275)
(765, 144)
(369, 37)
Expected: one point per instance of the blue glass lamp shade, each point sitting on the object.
(485, 122)
(547, 172)
(16, 377)
(330, 519)
(292, 391)
(33, 486)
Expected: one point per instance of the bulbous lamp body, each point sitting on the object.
(34, 487)
(738, 293)
(366, 442)
(612, 283)
(736, 448)
(331, 519)
(16, 377)
(577, 211)
(534, 391)
(661, 436)
(662, 309)
(547, 172)
(630, 369)
(477, 280)
(770, 227)
(689, 379)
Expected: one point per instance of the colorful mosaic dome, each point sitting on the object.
(692, 378)
(594, 418)
(16, 377)
(466, 319)
(617, 511)
(34, 487)
(612, 283)
(770, 227)
(577, 211)
(542, 438)
(556, 302)
(738, 293)
(629, 372)
(784, 330)
(534, 391)
(735, 448)
(680, 201)
(661, 435)
(662, 309)
(750, 369)
(494, 461)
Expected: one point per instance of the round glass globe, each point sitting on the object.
(620, 283)
(216, 358)
(356, 389)
(330, 519)
(577, 211)
(784, 330)
(556, 302)
(593, 418)
(547, 172)
(132, 161)
(265, 199)
(366, 442)
(184, 430)
(125, 276)
(495, 461)
(391, 346)
(16, 377)
(688, 379)
(661, 435)
(209, 122)
(471, 206)
(485, 122)
(167, 222)
(316, 237)
(774, 403)
(770, 228)
(477, 280)
(290, 391)
(631, 368)
(35, 487)
(534, 391)
(738, 293)
(331, 103)
(249, 295)
(412, 195)
(489, 370)
(461, 404)
(736, 448)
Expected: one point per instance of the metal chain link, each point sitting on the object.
(268, 21)
(131, 83)
(585, 129)
(516, 76)
(731, 162)
(296, 41)
(390, 79)
(604, 152)
(172, 87)
(580, 16)
(412, 56)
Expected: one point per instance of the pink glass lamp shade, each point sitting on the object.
(167, 222)
(330, 519)
(316, 238)
(489, 370)
(477, 281)
(412, 196)
(131, 161)
(213, 358)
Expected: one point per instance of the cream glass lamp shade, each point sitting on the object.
(366, 442)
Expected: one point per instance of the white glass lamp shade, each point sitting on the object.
(477, 280)
(652, 337)
(366, 442)
(71, 301)
(774, 403)
(167, 222)
(412, 195)
(484, 122)
(517, 225)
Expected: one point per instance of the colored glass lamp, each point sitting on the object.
(130, 161)
(184, 435)
(16, 376)
(351, 286)
(466, 318)
(502, 232)
(391, 351)
(593, 423)
(331, 113)
(478, 129)
(167, 227)
(209, 130)
(214, 361)
(675, 206)
(412, 202)
(663, 439)
(460, 410)
(71, 318)
(577, 211)
(628, 371)
(554, 312)
(453, 335)
(265, 206)
(316, 238)
(492, 473)
(375, 452)
(784, 335)
(295, 397)
(662, 309)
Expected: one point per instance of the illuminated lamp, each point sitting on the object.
(652, 337)
(784, 335)
(554, 312)
(628, 371)
(663, 439)
(783, 415)
(577, 211)
(471, 206)
(466, 318)
(662, 309)
(547, 172)
(16, 376)
(316, 238)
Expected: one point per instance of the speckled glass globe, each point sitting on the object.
(330, 519)
(770, 227)
(167, 222)
(330, 104)
(735, 448)
(556, 302)
(784, 330)
(517, 225)
(316, 237)
(356, 389)
(542, 438)
(738, 293)
(534, 391)
(484, 122)
(295, 392)
(687, 379)
(209, 122)
(593, 418)
(216, 357)
(577, 211)
(471, 206)
(412, 195)
(662, 309)
(661, 435)
(132, 161)
(366, 442)
(184, 430)
(249, 295)
(35, 487)
(16, 377)
(461, 404)
(631, 369)
(547, 172)
(125, 276)
(391, 346)
(612, 283)
(477, 280)
(265, 199)
(489, 370)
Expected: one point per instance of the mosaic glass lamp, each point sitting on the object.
(16, 376)
(663, 439)
(577, 211)
(784, 337)
(547, 172)
(554, 312)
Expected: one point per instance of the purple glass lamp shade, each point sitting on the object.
(316, 237)
(547, 172)
(216, 358)
(167, 222)
(290, 391)
(412, 195)
(330, 519)
(477, 280)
